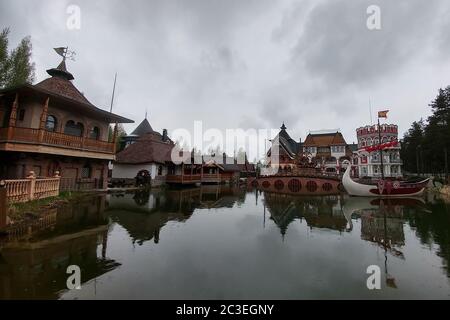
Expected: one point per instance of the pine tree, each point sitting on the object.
(411, 151)
(21, 69)
(437, 132)
(4, 59)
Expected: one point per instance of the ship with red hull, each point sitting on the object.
(383, 187)
(394, 186)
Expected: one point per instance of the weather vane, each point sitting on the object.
(65, 53)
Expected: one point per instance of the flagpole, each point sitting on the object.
(381, 149)
(114, 91)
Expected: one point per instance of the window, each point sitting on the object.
(21, 115)
(86, 172)
(50, 124)
(74, 129)
(160, 171)
(94, 133)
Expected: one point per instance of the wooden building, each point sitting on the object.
(145, 151)
(52, 126)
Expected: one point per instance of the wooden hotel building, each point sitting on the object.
(52, 126)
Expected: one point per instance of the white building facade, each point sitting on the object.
(369, 163)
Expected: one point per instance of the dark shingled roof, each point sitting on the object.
(143, 128)
(292, 147)
(148, 148)
(63, 88)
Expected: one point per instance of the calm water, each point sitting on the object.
(220, 243)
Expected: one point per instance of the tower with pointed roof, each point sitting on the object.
(52, 127)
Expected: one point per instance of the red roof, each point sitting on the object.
(324, 139)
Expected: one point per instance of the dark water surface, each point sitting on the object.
(228, 243)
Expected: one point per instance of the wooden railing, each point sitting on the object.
(211, 177)
(41, 136)
(184, 178)
(24, 190)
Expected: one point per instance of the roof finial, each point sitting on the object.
(61, 70)
(283, 127)
(146, 113)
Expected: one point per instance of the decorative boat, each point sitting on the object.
(382, 187)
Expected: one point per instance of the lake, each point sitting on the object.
(219, 242)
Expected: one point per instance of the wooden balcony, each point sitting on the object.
(43, 141)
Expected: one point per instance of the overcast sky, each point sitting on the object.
(247, 63)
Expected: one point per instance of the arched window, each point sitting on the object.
(50, 124)
(94, 133)
(74, 129)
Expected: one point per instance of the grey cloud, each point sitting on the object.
(337, 46)
(254, 63)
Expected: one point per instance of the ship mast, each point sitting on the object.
(381, 149)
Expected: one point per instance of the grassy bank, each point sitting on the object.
(22, 211)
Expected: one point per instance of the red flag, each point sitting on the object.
(383, 114)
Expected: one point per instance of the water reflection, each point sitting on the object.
(36, 268)
(145, 213)
(229, 242)
(318, 212)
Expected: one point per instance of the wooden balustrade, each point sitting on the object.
(42, 136)
(24, 190)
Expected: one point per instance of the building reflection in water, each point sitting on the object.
(382, 220)
(36, 268)
(318, 212)
(144, 214)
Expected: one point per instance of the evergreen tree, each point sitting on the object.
(16, 67)
(437, 133)
(4, 59)
(411, 151)
(21, 69)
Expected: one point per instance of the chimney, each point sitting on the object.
(164, 136)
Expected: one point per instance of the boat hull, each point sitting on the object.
(384, 188)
